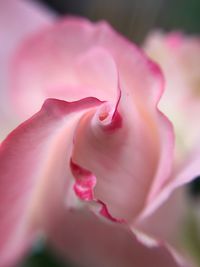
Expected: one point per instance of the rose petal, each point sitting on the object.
(18, 19)
(75, 52)
(155, 224)
(34, 172)
(179, 57)
(88, 240)
(181, 175)
(65, 55)
(56, 49)
(125, 159)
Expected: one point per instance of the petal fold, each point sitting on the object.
(34, 172)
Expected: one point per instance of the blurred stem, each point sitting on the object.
(43, 257)
(192, 236)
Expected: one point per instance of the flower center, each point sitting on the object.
(103, 115)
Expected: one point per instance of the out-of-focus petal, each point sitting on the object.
(35, 174)
(172, 211)
(181, 175)
(18, 19)
(48, 61)
(58, 61)
(89, 240)
(179, 56)
(188, 170)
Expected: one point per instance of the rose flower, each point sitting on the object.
(92, 158)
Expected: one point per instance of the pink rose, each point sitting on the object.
(179, 57)
(96, 161)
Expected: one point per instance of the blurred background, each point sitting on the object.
(135, 19)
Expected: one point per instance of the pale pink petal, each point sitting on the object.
(164, 223)
(18, 19)
(57, 49)
(188, 170)
(124, 155)
(88, 240)
(34, 173)
(47, 60)
(145, 96)
(179, 56)
(181, 175)
(75, 51)
(58, 61)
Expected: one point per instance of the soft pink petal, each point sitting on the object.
(145, 95)
(109, 155)
(164, 223)
(66, 55)
(34, 172)
(76, 52)
(88, 240)
(188, 170)
(18, 19)
(53, 53)
(179, 56)
(181, 175)
(124, 160)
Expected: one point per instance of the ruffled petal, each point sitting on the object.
(35, 174)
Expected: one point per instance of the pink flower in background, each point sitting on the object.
(179, 57)
(90, 167)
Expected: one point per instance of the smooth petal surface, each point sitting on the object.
(181, 175)
(89, 240)
(35, 174)
(58, 50)
(179, 56)
(66, 55)
(18, 19)
(187, 171)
